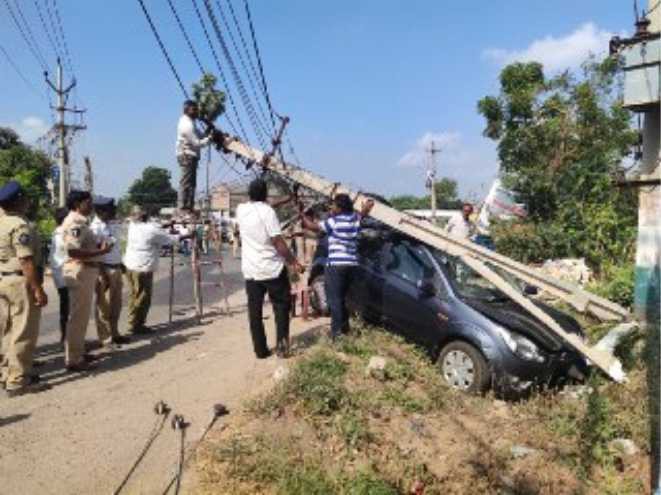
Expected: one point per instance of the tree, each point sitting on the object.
(446, 197)
(32, 169)
(153, 190)
(560, 143)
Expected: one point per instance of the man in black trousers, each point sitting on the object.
(264, 253)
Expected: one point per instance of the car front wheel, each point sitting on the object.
(463, 367)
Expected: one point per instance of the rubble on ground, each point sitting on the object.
(568, 269)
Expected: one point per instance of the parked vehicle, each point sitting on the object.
(479, 337)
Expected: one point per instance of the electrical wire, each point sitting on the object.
(249, 57)
(49, 35)
(163, 49)
(233, 70)
(54, 30)
(13, 65)
(186, 37)
(222, 77)
(29, 32)
(251, 82)
(32, 49)
(63, 38)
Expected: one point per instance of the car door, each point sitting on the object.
(405, 308)
(366, 292)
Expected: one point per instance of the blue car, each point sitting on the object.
(479, 337)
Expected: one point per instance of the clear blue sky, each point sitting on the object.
(366, 82)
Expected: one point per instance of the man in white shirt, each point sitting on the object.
(143, 247)
(460, 225)
(189, 143)
(109, 284)
(264, 253)
(57, 257)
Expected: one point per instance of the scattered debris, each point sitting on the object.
(519, 451)
(576, 392)
(376, 368)
(568, 269)
(609, 341)
(280, 373)
(624, 446)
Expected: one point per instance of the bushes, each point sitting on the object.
(616, 283)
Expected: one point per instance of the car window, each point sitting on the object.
(408, 262)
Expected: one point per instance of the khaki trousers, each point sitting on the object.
(81, 293)
(140, 289)
(20, 330)
(108, 303)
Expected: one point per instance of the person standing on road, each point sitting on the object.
(57, 257)
(81, 270)
(109, 284)
(460, 225)
(143, 248)
(263, 256)
(21, 291)
(189, 143)
(342, 229)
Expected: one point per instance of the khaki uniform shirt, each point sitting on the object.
(77, 235)
(18, 239)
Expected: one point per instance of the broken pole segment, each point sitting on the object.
(472, 254)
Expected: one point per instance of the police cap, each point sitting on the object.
(10, 192)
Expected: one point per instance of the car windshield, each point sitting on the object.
(467, 282)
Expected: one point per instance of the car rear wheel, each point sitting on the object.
(318, 299)
(463, 367)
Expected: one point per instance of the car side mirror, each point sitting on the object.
(530, 290)
(426, 287)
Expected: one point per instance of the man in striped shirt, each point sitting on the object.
(342, 229)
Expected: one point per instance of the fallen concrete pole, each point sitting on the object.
(472, 254)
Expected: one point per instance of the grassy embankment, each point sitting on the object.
(330, 427)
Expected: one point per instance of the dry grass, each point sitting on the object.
(331, 428)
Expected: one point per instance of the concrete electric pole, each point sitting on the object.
(642, 79)
(62, 129)
(89, 175)
(431, 178)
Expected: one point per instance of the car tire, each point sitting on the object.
(318, 299)
(463, 367)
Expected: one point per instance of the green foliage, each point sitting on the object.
(596, 430)
(560, 143)
(32, 169)
(616, 283)
(210, 101)
(367, 483)
(447, 197)
(153, 190)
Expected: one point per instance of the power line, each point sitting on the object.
(259, 58)
(222, 77)
(54, 30)
(233, 70)
(18, 71)
(46, 30)
(163, 49)
(64, 40)
(251, 81)
(183, 31)
(40, 61)
(29, 32)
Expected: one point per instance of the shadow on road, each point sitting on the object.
(14, 418)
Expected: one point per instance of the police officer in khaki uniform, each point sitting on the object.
(81, 270)
(21, 291)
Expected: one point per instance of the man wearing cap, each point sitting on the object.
(21, 291)
(109, 284)
(80, 270)
(189, 143)
(143, 247)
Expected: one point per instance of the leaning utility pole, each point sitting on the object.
(431, 178)
(62, 129)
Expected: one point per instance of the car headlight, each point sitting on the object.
(520, 345)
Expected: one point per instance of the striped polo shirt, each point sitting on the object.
(342, 231)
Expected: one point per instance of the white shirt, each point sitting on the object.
(143, 246)
(458, 227)
(259, 224)
(189, 138)
(108, 232)
(57, 257)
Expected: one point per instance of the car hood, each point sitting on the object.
(514, 317)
